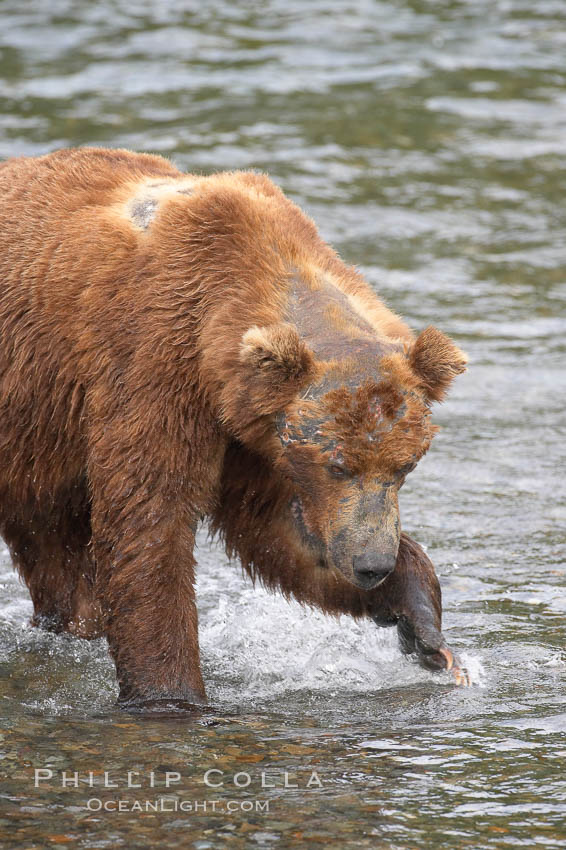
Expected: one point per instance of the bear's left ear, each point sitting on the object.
(278, 356)
(436, 361)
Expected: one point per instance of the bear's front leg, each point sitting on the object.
(146, 579)
(411, 598)
(147, 494)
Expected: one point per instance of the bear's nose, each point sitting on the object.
(371, 568)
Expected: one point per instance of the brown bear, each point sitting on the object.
(176, 347)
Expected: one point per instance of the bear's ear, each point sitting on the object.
(278, 355)
(436, 361)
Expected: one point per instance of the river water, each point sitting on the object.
(428, 140)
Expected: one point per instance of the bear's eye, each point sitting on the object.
(337, 470)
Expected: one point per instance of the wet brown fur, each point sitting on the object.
(145, 349)
(253, 497)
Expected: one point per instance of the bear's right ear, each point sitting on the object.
(278, 357)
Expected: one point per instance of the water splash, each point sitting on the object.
(255, 646)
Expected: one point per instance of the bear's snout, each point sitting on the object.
(371, 568)
(365, 539)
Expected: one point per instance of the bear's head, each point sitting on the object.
(344, 432)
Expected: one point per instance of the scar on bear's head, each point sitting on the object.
(385, 425)
(379, 427)
(382, 424)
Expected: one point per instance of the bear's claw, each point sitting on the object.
(444, 659)
(460, 674)
(449, 657)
